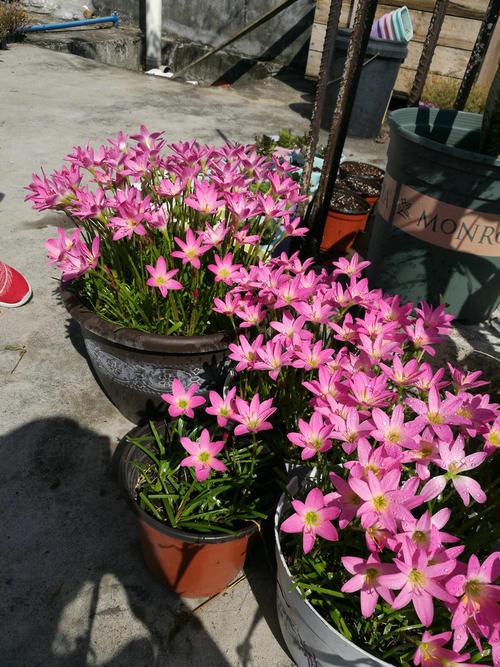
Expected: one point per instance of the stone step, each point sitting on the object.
(121, 47)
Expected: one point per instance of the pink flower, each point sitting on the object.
(272, 358)
(423, 452)
(425, 532)
(325, 385)
(349, 429)
(182, 401)
(203, 453)
(345, 498)
(221, 407)
(371, 458)
(419, 581)
(190, 250)
(213, 235)
(162, 278)
(428, 378)
(492, 436)
(127, 222)
(205, 198)
(224, 269)
(312, 517)
(290, 330)
(147, 139)
(464, 381)
(291, 227)
(402, 374)
(313, 436)
(246, 354)
(171, 188)
(435, 317)
(382, 499)
(393, 430)
(252, 416)
(454, 461)
(477, 611)
(430, 652)
(368, 392)
(438, 414)
(310, 358)
(421, 338)
(366, 579)
(350, 268)
(250, 315)
(62, 244)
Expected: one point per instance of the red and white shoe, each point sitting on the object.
(14, 288)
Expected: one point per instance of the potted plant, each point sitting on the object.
(200, 488)
(386, 552)
(158, 236)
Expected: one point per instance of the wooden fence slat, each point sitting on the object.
(465, 9)
(458, 34)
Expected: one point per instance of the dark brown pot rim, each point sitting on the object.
(141, 340)
(126, 453)
(363, 206)
(343, 211)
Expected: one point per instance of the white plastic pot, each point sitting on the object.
(311, 641)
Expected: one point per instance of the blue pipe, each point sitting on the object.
(71, 24)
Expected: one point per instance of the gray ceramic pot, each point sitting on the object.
(311, 641)
(134, 368)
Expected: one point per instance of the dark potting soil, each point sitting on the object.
(347, 202)
(362, 169)
(363, 187)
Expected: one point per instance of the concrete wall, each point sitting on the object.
(208, 22)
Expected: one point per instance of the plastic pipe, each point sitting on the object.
(71, 24)
(153, 34)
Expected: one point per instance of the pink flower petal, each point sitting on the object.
(424, 607)
(294, 524)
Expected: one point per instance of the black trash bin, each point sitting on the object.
(382, 61)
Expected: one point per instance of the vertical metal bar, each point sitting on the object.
(338, 130)
(428, 49)
(321, 88)
(478, 53)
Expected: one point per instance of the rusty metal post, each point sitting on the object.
(428, 49)
(320, 95)
(363, 21)
(478, 53)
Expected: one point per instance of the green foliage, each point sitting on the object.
(225, 502)
(265, 144)
(441, 91)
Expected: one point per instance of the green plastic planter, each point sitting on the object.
(436, 232)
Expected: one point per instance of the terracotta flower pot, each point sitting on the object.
(192, 565)
(343, 222)
(365, 170)
(135, 367)
(367, 189)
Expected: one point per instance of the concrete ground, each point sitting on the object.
(74, 587)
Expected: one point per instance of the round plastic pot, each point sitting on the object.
(383, 59)
(309, 638)
(191, 565)
(134, 368)
(436, 232)
(341, 228)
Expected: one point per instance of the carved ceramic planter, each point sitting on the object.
(135, 368)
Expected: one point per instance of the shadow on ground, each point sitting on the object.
(72, 575)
